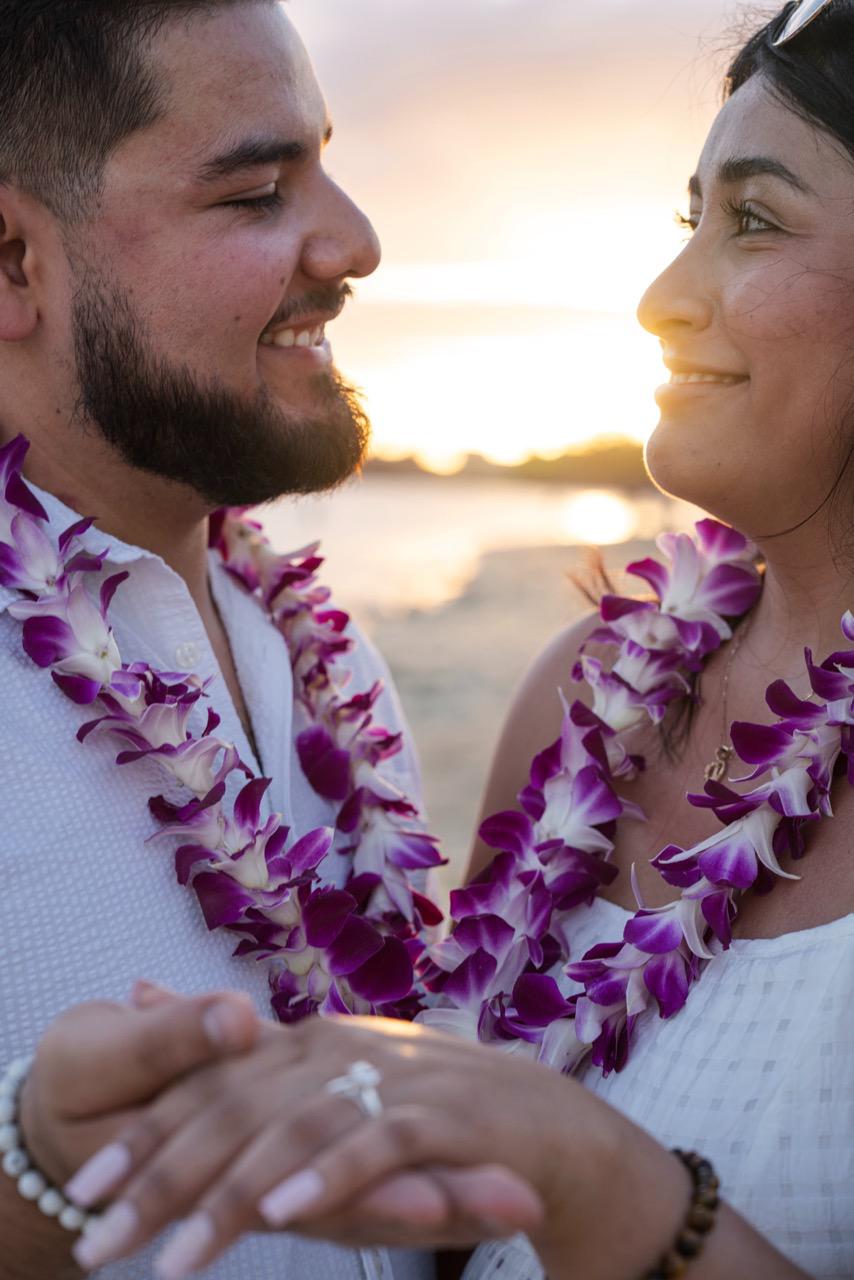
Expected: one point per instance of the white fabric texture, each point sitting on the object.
(87, 905)
(757, 1074)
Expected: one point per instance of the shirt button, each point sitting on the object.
(187, 656)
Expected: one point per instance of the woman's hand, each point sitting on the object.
(259, 1141)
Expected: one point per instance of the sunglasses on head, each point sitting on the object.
(805, 13)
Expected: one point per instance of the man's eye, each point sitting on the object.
(266, 203)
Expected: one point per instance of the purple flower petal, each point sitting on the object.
(80, 690)
(468, 984)
(414, 851)
(546, 765)
(676, 871)
(429, 913)
(538, 1000)
(356, 942)
(787, 705)
(652, 572)
(719, 913)
(47, 640)
(247, 806)
(732, 862)
(488, 933)
(731, 590)
(187, 857)
(109, 589)
(720, 541)
(222, 899)
(325, 914)
(655, 932)
(510, 832)
(386, 977)
(667, 978)
(12, 486)
(310, 849)
(760, 743)
(326, 766)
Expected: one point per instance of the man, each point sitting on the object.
(171, 250)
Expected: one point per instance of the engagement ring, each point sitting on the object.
(360, 1084)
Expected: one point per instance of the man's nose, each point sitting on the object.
(344, 243)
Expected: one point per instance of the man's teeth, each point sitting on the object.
(722, 380)
(292, 338)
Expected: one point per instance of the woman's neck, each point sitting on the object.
(807, 590)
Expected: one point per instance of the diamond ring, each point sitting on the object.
(360, 1085)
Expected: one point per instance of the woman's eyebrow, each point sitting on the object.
(738, 168)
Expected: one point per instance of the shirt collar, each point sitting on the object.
(60, 518)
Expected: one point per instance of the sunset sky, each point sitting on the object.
(522, 161)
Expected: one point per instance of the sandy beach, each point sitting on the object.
(457, 667)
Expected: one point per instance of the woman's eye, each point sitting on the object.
(686, 222)
(748, 221)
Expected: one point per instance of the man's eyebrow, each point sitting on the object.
(739, 168)
(255, 153)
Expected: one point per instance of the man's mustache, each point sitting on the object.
(330, 299)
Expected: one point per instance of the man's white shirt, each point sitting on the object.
(89, 903)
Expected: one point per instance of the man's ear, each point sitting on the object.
(18, 307)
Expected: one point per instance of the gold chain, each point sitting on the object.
(717, 770)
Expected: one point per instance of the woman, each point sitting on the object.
(756, 320)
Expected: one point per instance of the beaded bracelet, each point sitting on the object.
(16, 1162)
(698, 1222)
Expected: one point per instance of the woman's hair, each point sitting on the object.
(813, 77)
(75, 81)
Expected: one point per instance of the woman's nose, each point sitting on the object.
(678, 300)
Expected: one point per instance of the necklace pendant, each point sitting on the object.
(717, 770)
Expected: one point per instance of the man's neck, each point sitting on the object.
(143, 510)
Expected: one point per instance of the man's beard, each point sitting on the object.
(232, 450)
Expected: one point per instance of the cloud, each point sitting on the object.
(456, 117)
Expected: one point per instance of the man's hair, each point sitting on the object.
(75, 80)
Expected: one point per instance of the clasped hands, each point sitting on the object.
(196, 1109)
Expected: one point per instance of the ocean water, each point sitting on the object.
(395, 544)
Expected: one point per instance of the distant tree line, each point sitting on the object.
(618, 464)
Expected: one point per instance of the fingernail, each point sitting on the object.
(109, 1238)
(100, 1174)
(185, 1251)
(291, 1198)
(145, 992)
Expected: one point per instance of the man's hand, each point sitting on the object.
(96, 1067)
(98, 1063)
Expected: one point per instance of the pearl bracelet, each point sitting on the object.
(16, 1162)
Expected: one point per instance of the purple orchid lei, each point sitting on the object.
(505, 974)
(349, 950)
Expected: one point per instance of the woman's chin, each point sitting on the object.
(683, 468)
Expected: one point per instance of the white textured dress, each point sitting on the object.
(757, 1074)
(87, 906)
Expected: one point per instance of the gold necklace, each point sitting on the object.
(717, 770)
